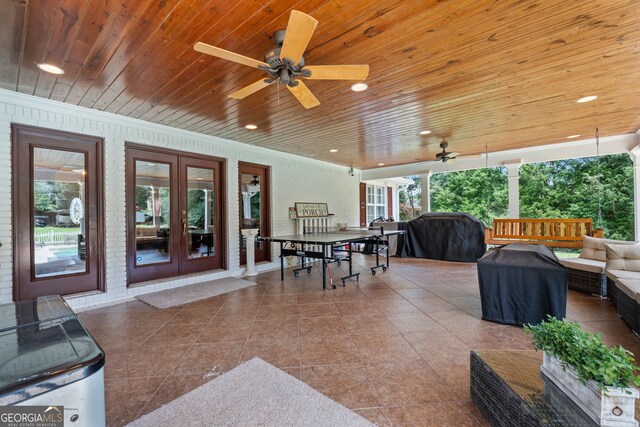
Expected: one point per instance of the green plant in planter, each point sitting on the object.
(586, 353)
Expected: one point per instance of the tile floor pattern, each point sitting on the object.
(394, 348)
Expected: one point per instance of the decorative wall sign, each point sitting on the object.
(307, 210)
(292, 213)
(76, 210)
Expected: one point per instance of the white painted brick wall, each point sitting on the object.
(294, 179)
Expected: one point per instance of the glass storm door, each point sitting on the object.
(174, 214)
(254, 208)
(57, 213)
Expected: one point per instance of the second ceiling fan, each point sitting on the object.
(285, 64)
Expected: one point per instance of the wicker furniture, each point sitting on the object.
(623, 272)
(510, 391)
(586, 273)
(557, 233)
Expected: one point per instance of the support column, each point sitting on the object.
(250, 235)
(635, 156)
(513, 176)
(425, 187)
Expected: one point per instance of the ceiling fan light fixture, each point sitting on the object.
(251, 127)
(573, 136)
(587, 99)
(50, 68)
(333, 150)
(359, 87)
(425, 132)
(380, 164)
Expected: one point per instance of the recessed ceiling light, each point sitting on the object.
(251, 127)
(50, 68)
(151, 164)
(572, 136)
(199, 179)
(359, 87)
(587, 99)
(380, 164)
(333, 150)
(425, 132)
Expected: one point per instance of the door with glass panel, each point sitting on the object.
(254, 208)
(201, 218)
(57, 212)
(174, 214)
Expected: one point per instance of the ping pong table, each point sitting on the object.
(332, 245)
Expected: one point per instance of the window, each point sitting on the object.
(376, 202)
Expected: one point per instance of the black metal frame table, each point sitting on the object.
(324, 245)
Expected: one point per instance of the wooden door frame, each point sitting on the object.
(223, 203)
(266, 209)
(220, 221)
(60, 139)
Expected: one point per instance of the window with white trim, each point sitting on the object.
(376, 202)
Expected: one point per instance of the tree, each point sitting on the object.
(581, 188)
(482, 193)
(410, 199)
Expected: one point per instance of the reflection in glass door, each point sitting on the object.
(57, 212)
(59, 238)
(152, 216)
(254, 208)
(200, 213)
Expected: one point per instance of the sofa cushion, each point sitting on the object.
(623, 257)
(630, 287)
(584, 264)
(616, 275)
(593, 247)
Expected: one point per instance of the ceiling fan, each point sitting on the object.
(445, 156)
(284, 62)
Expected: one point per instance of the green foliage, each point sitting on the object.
(53, 195)
(410, 198)
(586, 353)
(573, 188)
(482, 193)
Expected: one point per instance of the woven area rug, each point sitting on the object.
(253, 394)
(190, 293)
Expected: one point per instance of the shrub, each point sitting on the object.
(585, 353)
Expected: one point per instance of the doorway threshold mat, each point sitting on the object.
(185, 294)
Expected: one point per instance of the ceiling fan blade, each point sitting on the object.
(251, 89)
(304, 95)
(299, 31)
(453, 154)
(469, 156)
(228, 55)
(338, 72)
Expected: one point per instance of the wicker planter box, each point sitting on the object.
(587, 281)
(615, 409)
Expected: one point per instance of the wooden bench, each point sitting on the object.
(559, 233)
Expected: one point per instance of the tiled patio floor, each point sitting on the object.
(394, 348)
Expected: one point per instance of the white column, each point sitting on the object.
(250, 235)
(425, 188)
(513, 176)
(635, 156)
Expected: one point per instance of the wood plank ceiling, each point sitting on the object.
(505, 74)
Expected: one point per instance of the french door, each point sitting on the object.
(57, 212)
(174, 214)
(254, 196)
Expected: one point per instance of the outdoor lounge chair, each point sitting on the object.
(623, 270)
(587, 272)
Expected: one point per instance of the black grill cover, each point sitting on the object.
(522, 283)
(450, 236)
